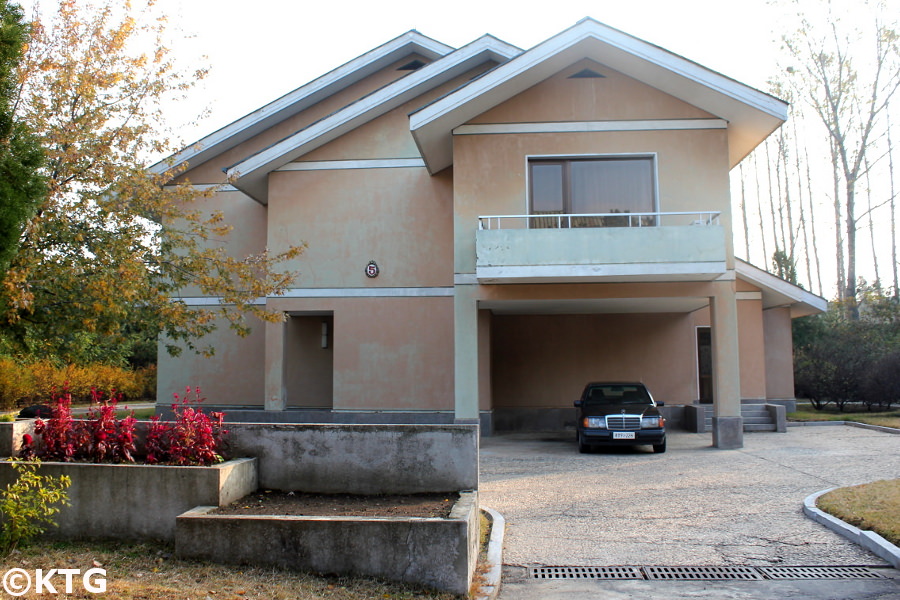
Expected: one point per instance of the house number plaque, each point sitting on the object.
(372, 269)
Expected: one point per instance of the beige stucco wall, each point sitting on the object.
(246, 217)
(233, 375)
(752, 347)
(614, 97)
(490, 174)
(389, 353)
(544, 361)
(779, 353)
(399, 217)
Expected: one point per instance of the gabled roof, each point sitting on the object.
(751, 115)
(778, 292)
(303, 97)
(249, 175)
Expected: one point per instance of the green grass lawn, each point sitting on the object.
(805, 412)
(872, 506)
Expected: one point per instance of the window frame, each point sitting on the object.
(565, 161)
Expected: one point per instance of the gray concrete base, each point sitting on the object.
(728, 432)
(139, 502)
(437, 553)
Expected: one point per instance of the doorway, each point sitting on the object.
(704, 365)
(309, 361)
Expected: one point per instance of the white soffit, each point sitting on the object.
(594, 306)
(752, 115)
(305, 96)
(250, 175)
(778, 292)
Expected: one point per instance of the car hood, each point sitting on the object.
(599, 410)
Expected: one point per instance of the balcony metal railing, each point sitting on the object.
(563, 221)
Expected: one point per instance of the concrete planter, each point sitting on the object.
(438, 553)
(133, 501)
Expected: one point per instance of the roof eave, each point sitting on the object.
(301, 98)
(780, 293)
(250, 175)
(752, 115)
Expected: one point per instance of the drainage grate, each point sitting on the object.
(586, 573)
(702, 573)
(819, 573)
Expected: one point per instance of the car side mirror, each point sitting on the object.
(578, 403)
(660, 403)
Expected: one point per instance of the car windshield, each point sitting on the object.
(617, 394)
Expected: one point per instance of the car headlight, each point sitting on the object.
(595, 422)
(652, 422)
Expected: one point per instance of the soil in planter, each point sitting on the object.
(269, 502)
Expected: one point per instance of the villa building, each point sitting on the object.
(488, 230)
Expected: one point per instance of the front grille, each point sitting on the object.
(623, 422)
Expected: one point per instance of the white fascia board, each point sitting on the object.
(590, 126)
(249, 175)
(776, 291)
(698, 271)
(301, 98)
(673, 74)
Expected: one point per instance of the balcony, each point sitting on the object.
(613, 247)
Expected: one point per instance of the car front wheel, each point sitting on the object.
(659, 448)
(582, 447)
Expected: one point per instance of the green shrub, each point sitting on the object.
(29, 504)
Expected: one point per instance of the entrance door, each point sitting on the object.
(704, 365)
(309, 361)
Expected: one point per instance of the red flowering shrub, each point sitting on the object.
(194, 438)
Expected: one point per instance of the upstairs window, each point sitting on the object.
(593, 186)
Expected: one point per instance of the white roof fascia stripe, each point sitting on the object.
(293, 102)
(775, 289)
(249, 175)
(589, 126)
(339, 165)
(621, 51)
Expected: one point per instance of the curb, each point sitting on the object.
(491, 588)
(880, 428)
(869, 540)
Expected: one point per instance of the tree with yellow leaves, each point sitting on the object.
(112, 242)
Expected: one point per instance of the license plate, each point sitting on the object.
(623, 435)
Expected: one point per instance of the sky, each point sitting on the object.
(259, 50)
(262, 49)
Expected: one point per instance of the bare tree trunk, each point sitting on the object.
(744, 213)
(893, 191)
(772, 203)
(812, 222)
(871, 222)
(838, 224)
(802, 212)
(762, 229)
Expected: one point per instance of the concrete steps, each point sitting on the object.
(756, 418)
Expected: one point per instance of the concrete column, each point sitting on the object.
(275, 392)
(728, 425)
(465, 337)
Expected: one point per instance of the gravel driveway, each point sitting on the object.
(694, 505)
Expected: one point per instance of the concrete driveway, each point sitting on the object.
(694, 505)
